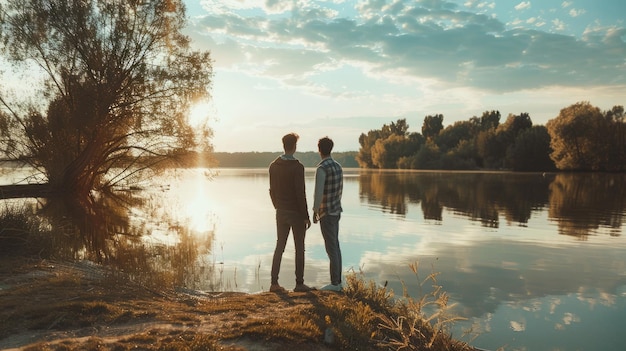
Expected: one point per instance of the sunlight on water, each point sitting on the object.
(196, 208)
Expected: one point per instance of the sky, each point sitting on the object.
(339, 68)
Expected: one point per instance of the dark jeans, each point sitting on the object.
(285, 221)
(330, 231)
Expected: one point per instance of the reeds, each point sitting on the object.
(414, 321)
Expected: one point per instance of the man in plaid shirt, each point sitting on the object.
(327, 208)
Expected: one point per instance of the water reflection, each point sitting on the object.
(581, 204)
(120, 230)
(519, 282)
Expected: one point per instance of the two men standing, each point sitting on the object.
(287, 191)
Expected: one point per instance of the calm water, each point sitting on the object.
(533, 261)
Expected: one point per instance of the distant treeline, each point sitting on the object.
(263, 159)
(580, 138)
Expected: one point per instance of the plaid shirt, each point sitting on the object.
(333, 187)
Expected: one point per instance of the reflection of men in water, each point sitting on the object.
(327, 208)
(289, 198)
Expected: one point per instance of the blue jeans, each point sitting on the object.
(286, 221)
(330, 231)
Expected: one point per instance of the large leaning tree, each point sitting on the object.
(108, 87)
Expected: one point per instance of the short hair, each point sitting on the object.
(325, 145)
(290, 140)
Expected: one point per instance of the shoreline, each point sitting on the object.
(77, 306)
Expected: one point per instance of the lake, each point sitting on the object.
(532, 261)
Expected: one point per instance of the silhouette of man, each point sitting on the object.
(288, 195)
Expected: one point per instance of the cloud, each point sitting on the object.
(558, 25)
(524, 5)
(432, 40)
(577, 12)
(518, 326)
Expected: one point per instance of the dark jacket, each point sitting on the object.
(287, 185)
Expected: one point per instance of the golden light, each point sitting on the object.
(199, 114)
(197, 208)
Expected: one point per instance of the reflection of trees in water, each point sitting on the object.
(480, 196)
(102, 231)
(581, 203)
(375, 188)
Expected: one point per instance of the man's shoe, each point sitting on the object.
(275, 288)
(302, 288)
(332, 287)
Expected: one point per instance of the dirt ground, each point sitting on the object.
(78, 306)
(61, 306)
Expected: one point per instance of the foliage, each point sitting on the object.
(386, 152)
(23, 234)
(118, 80)
(584, 138)
(432, 126)
(531, 151)
(580, 138)
(451, 135)
(383, 148)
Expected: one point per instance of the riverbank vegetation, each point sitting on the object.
(580, 138)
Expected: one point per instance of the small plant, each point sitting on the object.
(407, 323)
(22, 233)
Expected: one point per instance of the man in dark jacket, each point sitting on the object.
(289, 198)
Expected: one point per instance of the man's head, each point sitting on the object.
(325, 146)
(289, 142)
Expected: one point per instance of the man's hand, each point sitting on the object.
(307, 223)
(315, 218)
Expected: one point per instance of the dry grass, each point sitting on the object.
(58, 306)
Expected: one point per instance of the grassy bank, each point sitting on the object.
(81, 306)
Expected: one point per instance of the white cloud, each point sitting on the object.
(558, 25)
(518, 326)
(569, 318)
(576, 12)
(566, 4)
(524, 5)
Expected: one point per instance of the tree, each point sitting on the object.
(578, 138)
(399, 128)
(488, 120)
(432, 126)
(118, 80)
(450, 136)
(369, 140)
(616, 138)
(386, 153)
(490, 148)
(515, 124)
(531, 151)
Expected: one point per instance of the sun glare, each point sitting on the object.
(197, 206)
(199, 114)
